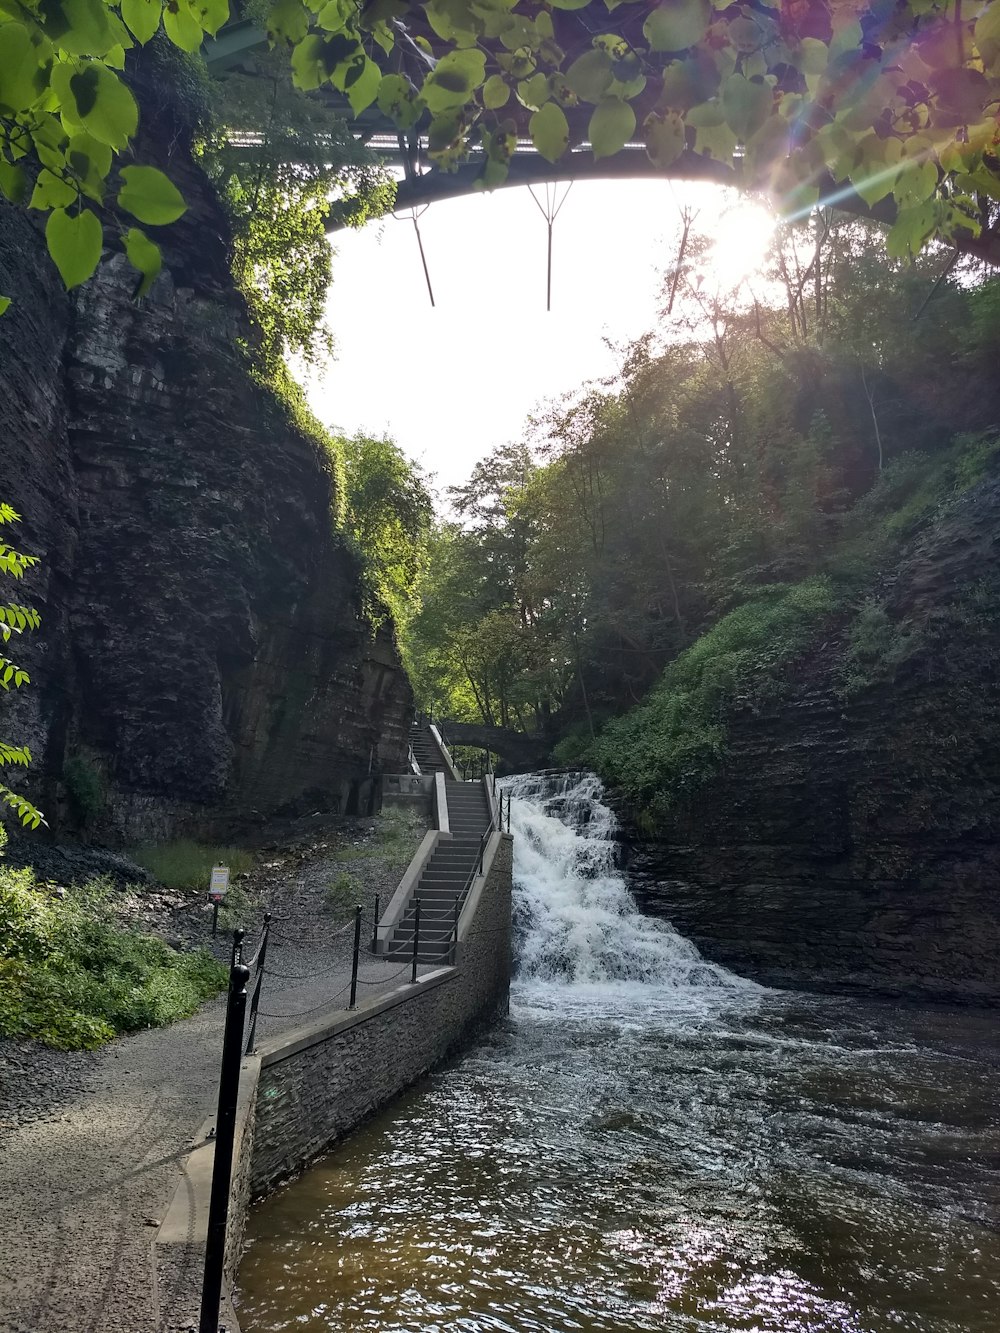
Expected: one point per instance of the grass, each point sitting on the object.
(663, 750)
(397, 836)
(345, 891)
(184, 864)
(72, 978)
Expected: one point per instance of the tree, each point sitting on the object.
(891, 109)
(284, 164)
(15, 618)
(388, 513)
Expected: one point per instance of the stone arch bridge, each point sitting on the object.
(519, 752)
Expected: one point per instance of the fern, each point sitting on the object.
(15, 618)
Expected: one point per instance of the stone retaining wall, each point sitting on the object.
(317, 1083)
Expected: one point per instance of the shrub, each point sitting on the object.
(72, 978)
(84, 787)
(876, 648)
(344, 892)
(184, 864)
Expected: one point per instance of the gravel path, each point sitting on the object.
(91, 1153)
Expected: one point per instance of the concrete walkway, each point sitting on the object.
(83, 1190)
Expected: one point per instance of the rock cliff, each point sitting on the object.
(850, 840)
(204, 661)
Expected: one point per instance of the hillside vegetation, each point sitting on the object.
(663, 548)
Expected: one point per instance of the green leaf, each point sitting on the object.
(453, 80)
(569, 4)
(51, 191)
(911, 231)
(308, 64)
(534, 92)
(549, 130)
(18, 67)
(96, 99)
(142, 18)
(363, 90)
(915, 183)
(335, 15)
(745, 105)
(688, 83)
(665, 139)
(13, 182)
(611, 127)
(397, 98)
(90, 160)
(678, 24)
(145, 256)
(496, 93)
(75, 244)
(591, 76)
(181, 26)
(987, 32)
(150, 196)
(288, 22)
(80, 27)
(4, 304)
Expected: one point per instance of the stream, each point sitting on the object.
(652, 1143)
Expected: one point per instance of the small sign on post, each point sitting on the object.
(217, 887)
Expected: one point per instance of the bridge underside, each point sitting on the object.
(520, 753)
(421, 182)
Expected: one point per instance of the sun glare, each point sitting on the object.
(742, 236)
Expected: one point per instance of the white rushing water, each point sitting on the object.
(577, 924)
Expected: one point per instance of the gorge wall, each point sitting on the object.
(851, 840)
(204, 659)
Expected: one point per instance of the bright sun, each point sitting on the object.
(742, 236)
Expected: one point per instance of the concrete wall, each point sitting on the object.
(317, 1083)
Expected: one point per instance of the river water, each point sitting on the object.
(651, 1143)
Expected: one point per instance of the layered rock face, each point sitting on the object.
(853, 841)
(204, 661)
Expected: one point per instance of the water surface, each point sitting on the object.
(651, 1144)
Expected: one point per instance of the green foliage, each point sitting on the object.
(15, 619)
(71, 978)
(388, 516)
(284, 165)
(877, 646)
(905, 109)
(397, 835)
(84, 787)
(184, 864)
(290, 402)
(345, 891)
(662, 751)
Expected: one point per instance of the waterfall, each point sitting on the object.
(576, 922)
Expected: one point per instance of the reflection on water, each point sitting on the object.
(648, 1156)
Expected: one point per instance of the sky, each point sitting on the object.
(450, 383)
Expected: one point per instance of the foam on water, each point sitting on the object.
(580, 936)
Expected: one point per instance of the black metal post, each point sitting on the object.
(375, 925)
(255, 998)
(482, 852)
(416, 939)
(454, 942)
(237, 954)
(357, 951)
(215, 917)
(225, 1134)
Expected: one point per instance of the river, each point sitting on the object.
(651, 1143)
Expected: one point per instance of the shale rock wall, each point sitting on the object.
(204, 659)
(853, 841)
